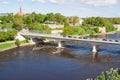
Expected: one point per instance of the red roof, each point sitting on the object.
(20, 12)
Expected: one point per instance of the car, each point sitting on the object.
(64, 36)
(69, 36)
(110, 40)
(74, 37)
(104, 39)
(85, 37)
(80, 37)
(116, 41)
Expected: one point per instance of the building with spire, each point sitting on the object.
(20, 12)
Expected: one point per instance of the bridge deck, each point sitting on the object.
(71, 38)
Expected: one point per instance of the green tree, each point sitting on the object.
(17, 22)
(41, 28)
(17, 42)
(60, 18)
(75, 20)
(112, 74)
(67, 30)
(11, 34)
(50, 17)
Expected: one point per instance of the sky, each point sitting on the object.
(81, 8)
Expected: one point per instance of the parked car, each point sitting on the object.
(104, 39)
(110, 40)
(69, 36)
(116, 41)
(80, 37)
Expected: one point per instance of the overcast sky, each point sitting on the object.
(81, 8)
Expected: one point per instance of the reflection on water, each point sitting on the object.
(76, 62)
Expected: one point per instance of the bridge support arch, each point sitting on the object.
(60, 44)
(31, 40)
(95, 49)
(59, 47)
(94, 52)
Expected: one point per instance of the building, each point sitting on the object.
(20, 12)
(102, 29)
(56, 27)
(79, 23)
(117, 26)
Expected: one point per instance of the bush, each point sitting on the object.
(17, 42)
(112, 74)
(9, 35)
(27, 39)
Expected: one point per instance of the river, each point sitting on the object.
(74, 63)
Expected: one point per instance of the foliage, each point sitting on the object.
(9, 35)
(41, 28)
(79, 30)
(112, 74)
(17, 22)
(99, 22)
(73, 20)
(6, 45)
(34, 21)
(114, 20)
(27, 39)
(17, 42)
(67, 30)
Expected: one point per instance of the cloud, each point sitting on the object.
(41, 1)
(86, 2)
(99, 2)
(20, 0)
(5, 2)
(57, 1)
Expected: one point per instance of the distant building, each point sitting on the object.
(20, 12)
(102, 29)
(117, 26)
(55, 26)
(79, 23)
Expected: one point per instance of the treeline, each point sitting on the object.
(99, 22)
(34, 21)
(114, 20)
(26, 20)
(7, 35)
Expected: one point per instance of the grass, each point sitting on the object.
(6, 45)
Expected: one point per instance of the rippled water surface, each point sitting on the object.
(74, 63)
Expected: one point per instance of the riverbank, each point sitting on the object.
(112, 32)
(11, 44)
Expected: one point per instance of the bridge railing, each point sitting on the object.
(37, 31)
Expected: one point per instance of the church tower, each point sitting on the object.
(20, 12)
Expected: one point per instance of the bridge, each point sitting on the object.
(70, 38)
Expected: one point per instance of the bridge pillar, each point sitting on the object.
(31, 40)
(59, 44)
(95, 48)
(59, 48)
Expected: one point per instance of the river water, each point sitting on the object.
(74, 63)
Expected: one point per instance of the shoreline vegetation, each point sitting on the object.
(4, 46)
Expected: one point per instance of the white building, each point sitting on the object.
(117, 26)
(102, 29)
